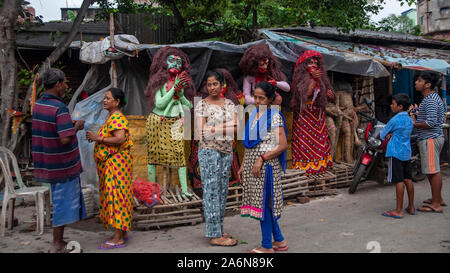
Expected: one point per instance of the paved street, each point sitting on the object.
(341, 223)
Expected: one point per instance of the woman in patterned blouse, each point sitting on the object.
(215, 123)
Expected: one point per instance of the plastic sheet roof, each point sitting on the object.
(399, 56)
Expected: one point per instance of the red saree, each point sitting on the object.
(310, 143)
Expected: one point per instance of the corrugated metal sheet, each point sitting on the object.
(365, 36)
(148, 29)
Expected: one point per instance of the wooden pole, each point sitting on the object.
(113, 64)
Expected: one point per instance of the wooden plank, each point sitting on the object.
(195, 196)
(190, 203)
(233, 208)
(294, 179)
(235, 196)
(238, 202)
(174, 219)
(298, 184)
(165, 200)
(175, 200)
(180, 195)
(162, 214)
(294, 190)
(294, 193)
(170, 223)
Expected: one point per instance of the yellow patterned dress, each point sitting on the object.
(114, 168)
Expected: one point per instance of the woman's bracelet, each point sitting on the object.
(263, 158)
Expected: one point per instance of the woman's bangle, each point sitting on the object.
(263, 158)
(101, 140)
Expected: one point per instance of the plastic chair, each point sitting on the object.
(40, 194)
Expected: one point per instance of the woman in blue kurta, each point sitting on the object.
(264, 161)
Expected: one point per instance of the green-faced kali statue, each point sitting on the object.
(169, 92)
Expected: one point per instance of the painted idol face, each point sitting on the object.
(312, 64)
(174, 64)
(262, 65)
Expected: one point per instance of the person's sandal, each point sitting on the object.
(111, 245)
(280, 248)
(427, 208)
(428, 201)
(256, 250)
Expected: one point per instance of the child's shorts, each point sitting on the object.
(430, 150)
(399, 170)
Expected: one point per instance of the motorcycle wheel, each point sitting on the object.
(381, 172)
(358, 160)
(357, 178)
(417, 174)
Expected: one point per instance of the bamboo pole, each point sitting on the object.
(113, 64)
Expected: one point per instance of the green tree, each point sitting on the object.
(237, 21)
(398, 24)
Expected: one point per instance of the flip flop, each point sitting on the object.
(282, 248)
(124, 239)
(407, 211)
(421, 209)
(256, 251)
(279, 248)
(112, 245)
(428, 201)
(389, 214)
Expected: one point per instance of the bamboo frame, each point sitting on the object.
(294, 184)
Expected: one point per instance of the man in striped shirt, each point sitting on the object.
(55, 155)
(430, 137)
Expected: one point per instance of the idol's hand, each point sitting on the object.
(330, 95)
(316, 74)
(272, 81)
(181, 81)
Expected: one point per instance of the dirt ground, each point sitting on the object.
(341, 223)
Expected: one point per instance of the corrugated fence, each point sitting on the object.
(148, 29)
